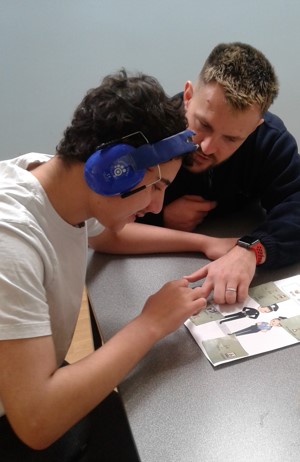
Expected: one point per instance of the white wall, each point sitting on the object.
(52, 51)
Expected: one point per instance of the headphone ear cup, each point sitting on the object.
(112, 170)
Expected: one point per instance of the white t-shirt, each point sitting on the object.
(42, 260)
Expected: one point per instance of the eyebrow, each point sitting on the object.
(164, 180)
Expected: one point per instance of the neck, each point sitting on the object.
(65, 188)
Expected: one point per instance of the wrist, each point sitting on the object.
(150, 330)
(255, 246)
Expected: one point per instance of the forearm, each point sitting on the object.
(83, 385)
(138, 238)
(57, 400)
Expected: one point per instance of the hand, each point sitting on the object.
(171, 306)
(187, 212)
(234, 270)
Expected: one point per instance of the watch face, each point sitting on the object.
(246, 241)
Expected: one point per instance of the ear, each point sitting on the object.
(187, 93)
(260, 122)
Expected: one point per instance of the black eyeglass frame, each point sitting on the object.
(141, 188)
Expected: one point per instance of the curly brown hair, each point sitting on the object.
(120, 105)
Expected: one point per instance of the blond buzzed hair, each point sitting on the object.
(246, 75)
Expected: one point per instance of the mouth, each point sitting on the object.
(133, 218)
(200, 156)
(196, 158)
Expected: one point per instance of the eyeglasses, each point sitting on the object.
(135, 139)
(152, 154)
(141, 188)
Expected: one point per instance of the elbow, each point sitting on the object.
(37, 442)
(34, 435)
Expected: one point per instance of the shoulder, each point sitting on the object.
(271, 130)
(270, 138)
(273, 122)
(25, 160)
(11, 167)
(94, 227)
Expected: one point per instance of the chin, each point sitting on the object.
(115, 228)
(196, 168)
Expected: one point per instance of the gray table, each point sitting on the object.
(179, 407)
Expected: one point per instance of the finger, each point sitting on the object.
(198, 293)
(206, 206)
(197, 275)
(202, 291)
(231, 293)
(194, 198)
(183, 282)
(200, 199)
(242, 293)
(199, 305)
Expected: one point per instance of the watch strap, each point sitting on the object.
(255, 245)
(259, 251)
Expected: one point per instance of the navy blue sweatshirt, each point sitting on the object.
(266, 167)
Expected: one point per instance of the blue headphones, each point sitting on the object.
(117, 167)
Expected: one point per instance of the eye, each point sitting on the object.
(232, 139)
(202, 125)
(156, 187)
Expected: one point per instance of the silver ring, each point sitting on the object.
(231, 289)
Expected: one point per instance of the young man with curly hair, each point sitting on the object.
(113, 164)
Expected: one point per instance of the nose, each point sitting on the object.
(156, 204)
(208, 145)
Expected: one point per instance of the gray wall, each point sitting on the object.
(52, 51)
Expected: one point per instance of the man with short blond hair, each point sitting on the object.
(245, 155)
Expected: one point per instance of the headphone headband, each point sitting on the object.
(166, 149)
